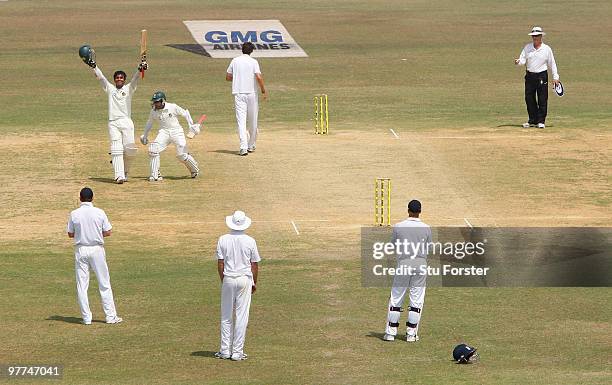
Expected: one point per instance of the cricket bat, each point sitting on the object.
(192, 134)
(143, 50)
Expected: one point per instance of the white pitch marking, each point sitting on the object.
(468, 223)
(393, 132)
(295, 228)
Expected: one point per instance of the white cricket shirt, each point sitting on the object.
(243, 69)
(539, 60)
(415, 233)
(87, 223)
(168, 117)
(238, 251)
(119, 99)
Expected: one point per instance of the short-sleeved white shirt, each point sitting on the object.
(243, 69)
(238, 251)
(414, 232)
(87, 223)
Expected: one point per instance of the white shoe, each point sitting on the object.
(388, 337)
(526, 125)
(243, 152)
(115, 320)
(239, 357)
(541, 125)
(86, 322)
(222, 356)
(158, 179)
(120, 180)
(412, 338)
(194, 174)
(251, 149)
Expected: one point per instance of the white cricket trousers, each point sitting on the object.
(93, 257)
(415, 287)
(235, 302)
(121, 133)
(246, 106)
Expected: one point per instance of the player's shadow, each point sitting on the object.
(103, 180)
(177, 177)
(70, 320)
(204, 353)
(376, 335)
(229, 152)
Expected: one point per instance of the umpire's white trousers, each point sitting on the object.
(235, 301)
(247, 107)
(93, 257)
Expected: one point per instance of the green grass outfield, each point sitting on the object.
(311, 321)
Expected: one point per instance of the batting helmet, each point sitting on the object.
(464, 354)
(157, 96)
(88, 55)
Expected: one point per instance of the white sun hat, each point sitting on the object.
(239, 221)
(535, 31)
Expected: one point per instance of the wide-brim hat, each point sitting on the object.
(535, 31)
(238, 221)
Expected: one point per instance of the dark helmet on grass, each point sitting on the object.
(464, 354)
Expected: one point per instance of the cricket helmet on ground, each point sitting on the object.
(464, 354)
(158, 95)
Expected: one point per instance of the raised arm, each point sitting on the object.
(134, 81)
(103, 81)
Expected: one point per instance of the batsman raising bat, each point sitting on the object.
(120, 125)
(170, 131)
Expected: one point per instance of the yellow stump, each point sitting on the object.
(382, 202)
(321, 115)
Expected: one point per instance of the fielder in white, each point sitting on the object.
(243, 71)
(170, 131)
(414, 232)
(237, 264)
(120, 124)
(88, 226)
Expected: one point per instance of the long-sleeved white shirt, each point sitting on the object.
(119, 99)
(168, 118)
(539, 60)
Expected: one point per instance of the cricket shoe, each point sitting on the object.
(158, 179)
(412, 338)
(86, 322)
(251, 149)
(527, 125)
(114, 320)
(239, 357)
(243, 152)
(541, 125)
(120, 180)
(222, 356)
(195, 174)
(388, 337)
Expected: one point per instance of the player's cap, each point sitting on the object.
(535, 31)
(238, 221)
(414, 206)
(559, 89)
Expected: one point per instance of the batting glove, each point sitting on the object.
(144, 140)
